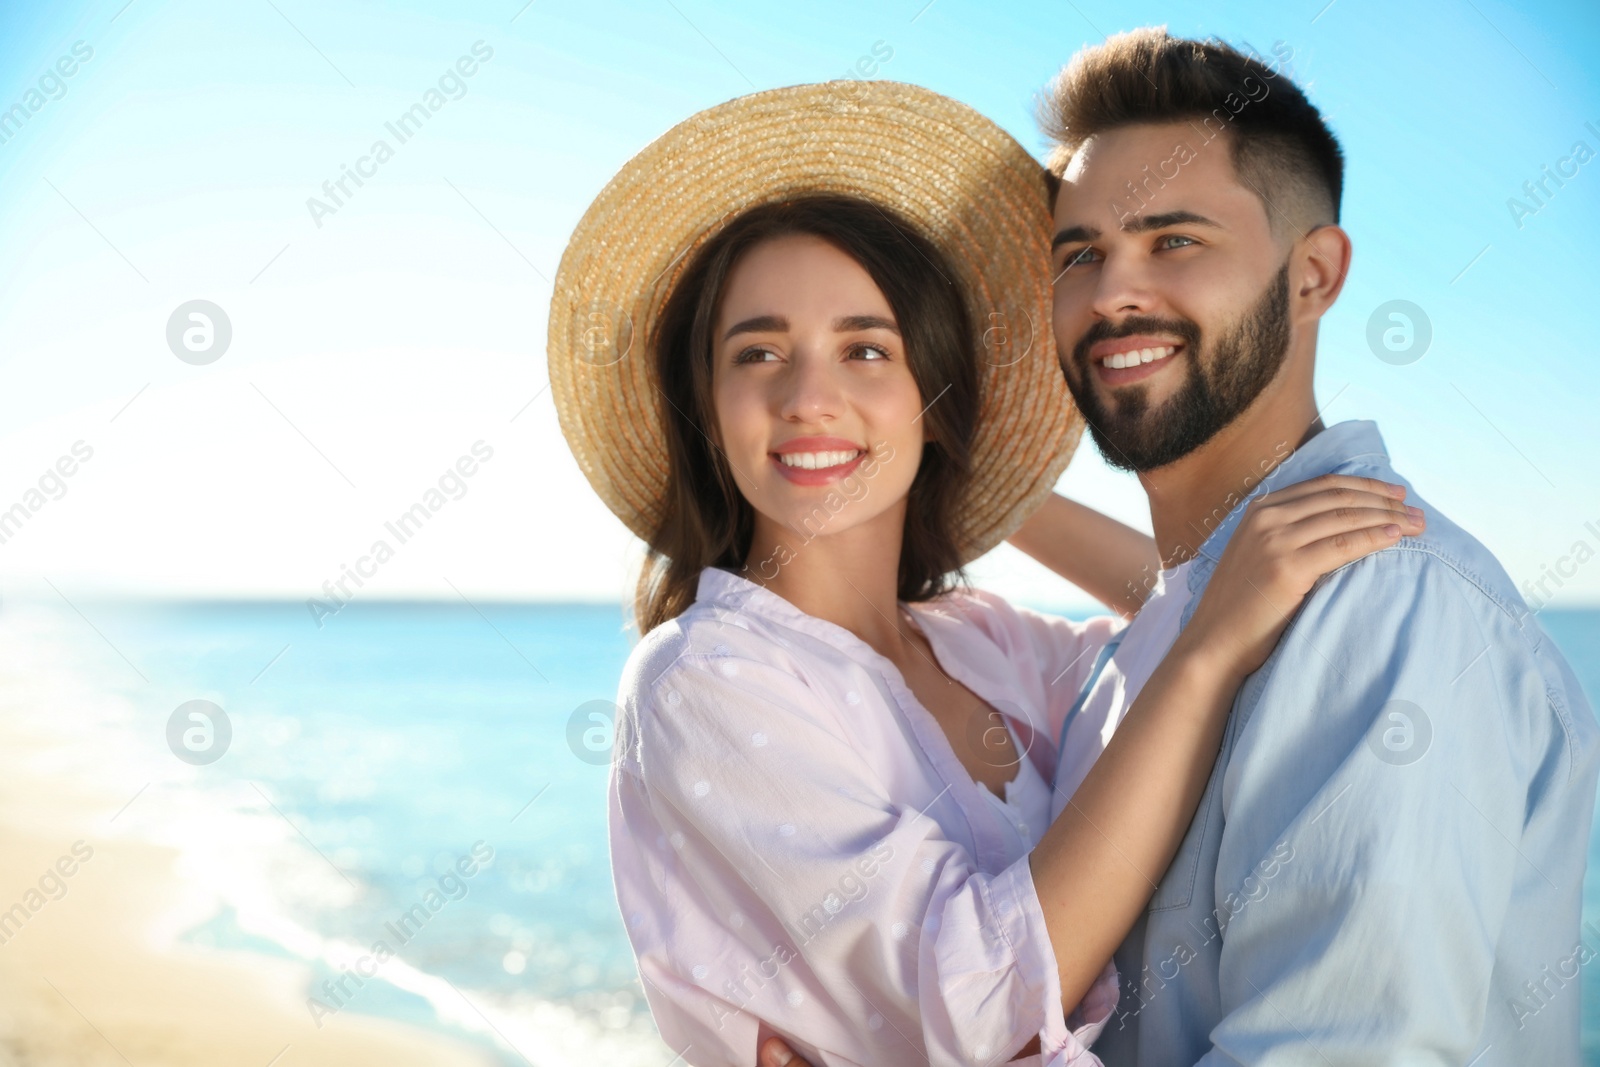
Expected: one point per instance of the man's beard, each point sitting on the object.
(1221, 384)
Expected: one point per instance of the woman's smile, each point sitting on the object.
(817, 460)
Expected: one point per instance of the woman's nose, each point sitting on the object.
(811, 389)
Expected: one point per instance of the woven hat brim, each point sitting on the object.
(962, 180)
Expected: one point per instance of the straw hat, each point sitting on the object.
(973, 191)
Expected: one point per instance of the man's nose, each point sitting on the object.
(1122, 287)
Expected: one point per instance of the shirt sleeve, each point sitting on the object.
(766, 876)
(1380, 775)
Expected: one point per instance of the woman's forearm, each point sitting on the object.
(1098, 864)
(1113, 563)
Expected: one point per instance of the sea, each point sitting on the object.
(341, 775)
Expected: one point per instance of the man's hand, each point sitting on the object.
(774, 1053)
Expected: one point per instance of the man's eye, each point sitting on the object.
(1177, 237)
(868, 352)
(1080, 258)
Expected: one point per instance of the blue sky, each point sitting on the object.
(371, 351)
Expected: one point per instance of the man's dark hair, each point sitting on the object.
(1279, 144)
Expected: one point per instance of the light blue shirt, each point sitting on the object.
(1387, 864)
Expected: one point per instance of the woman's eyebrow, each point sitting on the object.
(843, 324)
(852, 323)
(759, 324)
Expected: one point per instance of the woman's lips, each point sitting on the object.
(816, 475)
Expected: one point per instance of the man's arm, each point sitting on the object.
(1389, 743)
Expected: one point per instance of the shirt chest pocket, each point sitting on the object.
(1200, 844)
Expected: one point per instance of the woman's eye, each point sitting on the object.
(756, 355)
(868, 352)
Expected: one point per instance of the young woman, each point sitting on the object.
(830, 812)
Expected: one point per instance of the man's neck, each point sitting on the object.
(1191, 497)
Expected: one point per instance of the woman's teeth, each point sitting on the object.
(814, 461)
(1118, 360)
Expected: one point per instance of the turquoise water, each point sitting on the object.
(397, 737)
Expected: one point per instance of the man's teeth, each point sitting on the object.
(813, 461)
(1118, 360)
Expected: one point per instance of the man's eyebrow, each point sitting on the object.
(759, 324)
(1146, 223)
(1138, 224)
(852, 323)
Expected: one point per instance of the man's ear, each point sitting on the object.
(1322, 261)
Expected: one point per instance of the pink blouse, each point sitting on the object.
(798, 851)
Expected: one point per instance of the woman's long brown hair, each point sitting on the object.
(706, 521)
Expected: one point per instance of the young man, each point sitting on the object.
(1387, 864)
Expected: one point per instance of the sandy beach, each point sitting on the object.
(92, 968)
(83, 982)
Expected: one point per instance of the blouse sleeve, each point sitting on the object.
(765, 876)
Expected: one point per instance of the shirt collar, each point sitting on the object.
(1329, 450)
(732, 600)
